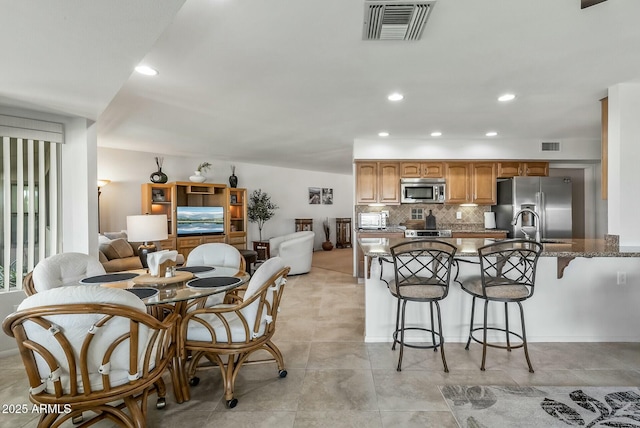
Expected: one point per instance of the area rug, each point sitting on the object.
(543, 406)
(338, 260)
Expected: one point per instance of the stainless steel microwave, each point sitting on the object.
(422, 190)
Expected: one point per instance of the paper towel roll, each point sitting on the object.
(489, 220)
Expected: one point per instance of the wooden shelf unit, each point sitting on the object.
(158, 199)
(237, 218)
(166, 198)
(303, 224)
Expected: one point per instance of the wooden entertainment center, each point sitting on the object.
(166, 198)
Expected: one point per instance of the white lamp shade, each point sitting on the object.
(145, 228)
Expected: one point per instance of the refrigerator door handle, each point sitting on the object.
(542, 204)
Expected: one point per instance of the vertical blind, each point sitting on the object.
(29, 196)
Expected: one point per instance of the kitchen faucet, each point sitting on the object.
(537, 220)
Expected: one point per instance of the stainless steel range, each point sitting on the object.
(411, 233)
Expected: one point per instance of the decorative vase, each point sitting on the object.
(327, 246)
(158, 176)
(198, 177)
(233, 181)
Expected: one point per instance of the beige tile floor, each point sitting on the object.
(336, 380)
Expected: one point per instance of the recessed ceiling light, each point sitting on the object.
(146, 70)
(383, 134)
(491, 134)
(396, 96)
(506, 97)
(436, 134)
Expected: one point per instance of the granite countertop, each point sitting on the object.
(401, 230)
(468, 247)
(479, 231)
(385, 230)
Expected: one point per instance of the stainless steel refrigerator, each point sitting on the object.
(550, 197)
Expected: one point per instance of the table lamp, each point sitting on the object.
(146, 229)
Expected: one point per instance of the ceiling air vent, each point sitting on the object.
(550, 146)
(395, 20)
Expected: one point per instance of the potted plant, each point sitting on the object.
(327, 245)
(202, 168)
(260, 209)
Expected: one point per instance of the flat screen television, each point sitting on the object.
(200, 220)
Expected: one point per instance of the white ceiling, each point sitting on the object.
(292, 83)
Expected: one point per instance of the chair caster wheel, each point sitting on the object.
(77, 419)
(282, 373)
(232, 403)
(161, 403)
(194, 381)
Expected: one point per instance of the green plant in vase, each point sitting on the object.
(260, 209)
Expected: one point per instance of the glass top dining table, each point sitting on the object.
(175, 294)
(185, 286)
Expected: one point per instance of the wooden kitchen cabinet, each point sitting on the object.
(523, 169)
(422, 169)
(458, 176)
(471, 183)
(378, 182)
(483, 185)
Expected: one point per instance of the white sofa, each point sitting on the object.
(295, 249)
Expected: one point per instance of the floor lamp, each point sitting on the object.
(146, 229)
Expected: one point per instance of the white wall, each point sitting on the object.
(624, 152)
(287, 187)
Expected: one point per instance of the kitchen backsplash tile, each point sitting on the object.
(472, 217)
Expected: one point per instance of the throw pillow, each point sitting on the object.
(117, 249)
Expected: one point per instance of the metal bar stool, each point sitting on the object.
(422, 274)
(508, 270)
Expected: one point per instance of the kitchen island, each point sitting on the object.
(582, 302)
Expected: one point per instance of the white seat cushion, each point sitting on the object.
(508, 290)
(214, 254)
(427, 292)
(197, 331)
(64, 269)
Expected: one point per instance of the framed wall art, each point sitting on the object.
(327, 196)
(314, 195)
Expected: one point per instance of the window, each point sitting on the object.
(28, 199)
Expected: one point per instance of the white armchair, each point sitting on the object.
(295, 249)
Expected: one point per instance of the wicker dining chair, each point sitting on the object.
(215, 254)
(237, 331)
(508, 273)
(422, 274)
(92, 349)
